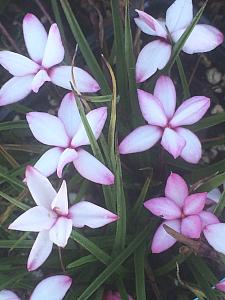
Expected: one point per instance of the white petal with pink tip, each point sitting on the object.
(173, 142)
(91, 215)
(191, 226)
(66, 157)
(208, 218)
(194, 203)
(176, 189)
(40, 251)
(60, 202)
(60, 232)
(215, 234)
(39, 79)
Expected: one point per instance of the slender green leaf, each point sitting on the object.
(220, 205)
(13, 125)
(186, 91)
(212, 183)
(82, 261)
(139, 266)
(208, 122)
(14, 201)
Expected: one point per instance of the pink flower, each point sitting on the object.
(67, 133)
(215, 234)
(46, 51)
(159, 111)
(114, 296)
(182, 212)
(155, 55)
(54, 287)
(52, 218)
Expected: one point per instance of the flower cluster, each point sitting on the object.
(52, 218)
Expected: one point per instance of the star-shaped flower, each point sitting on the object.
(67, 133)
(182, 212)
(52, 218)
(166, 123)
(53, 287)
(46, 51)
(155, 55)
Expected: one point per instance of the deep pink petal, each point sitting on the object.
(179, 15)
(40, 187)
(91, 215)
(173, 142)
(166, 93)
(60, 202)
(214, 234)
(191, 227)
(176, 189)
(17, 64)
(15, 89)
(92, 169)
(40, 251)
(52, 288)
(192, 151)
(140, 139)
(85, 83)
(163, 207)
(162, 240)
(154, 56)
(96, 119)
(35, 37)
(66, 157)
(208, 218)
(151, 109)
(35, 219)
(60, 232)
(69, 114)
(8, 295)
(190, 111)
(47, 129)
(220, 285)
(203, 38)
(149, 25)
(54, 51)
(39, 79)
(194, 203)
(48, 162)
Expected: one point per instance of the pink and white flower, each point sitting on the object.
(110, 295)
(214, 234)
(67, 133)
(155, 55)
(166, 123)
(182, 212)
(52, 288)
(46, 52)
(53, 219)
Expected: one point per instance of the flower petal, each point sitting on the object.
(163, 207)
(92, 169)
(159, 51)
(220, 285)
(35, 37)
(39, 79)
(69, 114)
(194, 204)
(48, 162)
(40, 251)
(140, 139)
(40, 187)
(91, 215)
(60, 232)
(214, 234)
(52, 288)
(214, 195)
(191, 227)
(15, 89)
(176, 189)
(8, 295)
(66, 157)
(47, 129)
(149, 25)
(60, 202)
(151, 109)
(179, 15)
(173, 142)
(192, 151)
(54, 51)
(162, 240)
(208, 218)
(203, 38)
(190, 111)
(166, 93)
(96, 119)
(85, 83)
(17, 64)
(35, 219)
